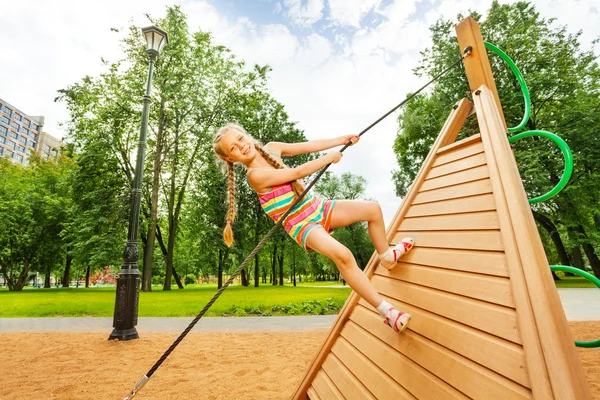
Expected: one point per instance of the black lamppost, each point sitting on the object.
(126, 303)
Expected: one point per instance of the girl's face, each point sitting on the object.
(238, 147)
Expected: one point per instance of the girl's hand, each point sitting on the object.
(333, 157)
(350, 138)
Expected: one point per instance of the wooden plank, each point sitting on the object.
(481, 262)
(458, 165)
(483, 202)
(474, 188)
(375, 380)
(484, 220)
(345, 381)
(466, 240)
(477, 65)
(469, 175)
(487, 317)
(461, 143)
(325, 388)
(499, 355)
(554, 366)
(448, 134)
(492, 289)
(468, 377)
(312, 393)
(410, 375)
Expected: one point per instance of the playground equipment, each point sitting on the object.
(487, 320)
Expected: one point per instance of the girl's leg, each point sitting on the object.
(321, 242)
(347, 212)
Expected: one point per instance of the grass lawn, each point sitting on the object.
(236, 300)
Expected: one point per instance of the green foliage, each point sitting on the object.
(36, 209)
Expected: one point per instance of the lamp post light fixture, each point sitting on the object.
(126, 303)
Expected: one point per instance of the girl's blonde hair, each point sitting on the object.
(297, 185)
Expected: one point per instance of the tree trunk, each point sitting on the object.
(67, 275)
(549, 226)
(294, 266)
(244, 277)
(588, 249)
(22, 279)
(87, 276)
(220, 270)
(281, 266)
(577, 258)
(273, 264)
(256, 271)
(47, 281)
(178, 278)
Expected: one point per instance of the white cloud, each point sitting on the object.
(304, 15)
(350, 12)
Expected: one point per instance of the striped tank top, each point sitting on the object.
(307, 215)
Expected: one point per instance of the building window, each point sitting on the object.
(11, 144)
(6, 110)
(2, 140)
(18, 157)
(15, 125)
(26, 122)
(22, 139)
(3, 130)
(31, 144)
(23, 130)
(31, 134)
(12, 134)
(18, 117)
(4, 119)
(34, 127)
(20, 148)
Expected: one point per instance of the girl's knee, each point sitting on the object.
(375, 209)
(343, 257)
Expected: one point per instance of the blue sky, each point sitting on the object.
(337, 64)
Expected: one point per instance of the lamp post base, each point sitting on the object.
(124, 334)
(126, 306)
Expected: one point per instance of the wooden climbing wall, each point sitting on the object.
(474, 332)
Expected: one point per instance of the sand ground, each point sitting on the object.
(236, 365)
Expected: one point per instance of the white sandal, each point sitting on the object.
(397, 252)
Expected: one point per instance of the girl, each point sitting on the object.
(312, 219)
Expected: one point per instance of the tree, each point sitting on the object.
(35, 210)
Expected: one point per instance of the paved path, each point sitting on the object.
(579, 305)
(155, 324)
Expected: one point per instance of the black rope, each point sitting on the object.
(260, 245)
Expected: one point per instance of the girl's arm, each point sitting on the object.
(267, 177)
(313, 146)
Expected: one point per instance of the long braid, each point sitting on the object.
(228, 232)
(297, 185)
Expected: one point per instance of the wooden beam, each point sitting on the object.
(477, 65)
(554, 367)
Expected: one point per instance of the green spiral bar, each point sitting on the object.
(521, 80)
(589, 277)
(568, 156)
